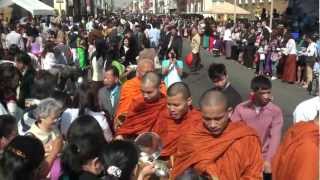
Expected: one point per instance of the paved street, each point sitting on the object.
(287, 96)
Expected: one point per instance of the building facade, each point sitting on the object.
(256, 6)
(154, 6)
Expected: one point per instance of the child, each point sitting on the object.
(262, 57)
(82, 51)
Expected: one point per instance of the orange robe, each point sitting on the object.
(234, 155)
(169, 130)
(141, 116)
(298, 156)
(130, 89)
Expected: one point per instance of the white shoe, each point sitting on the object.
(273, 78)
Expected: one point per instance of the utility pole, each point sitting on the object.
(234, 12)
(271, 14)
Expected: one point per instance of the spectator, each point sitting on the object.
(87, 128)
(172, 69)
(46, 115)
(195, 49)
(9, 81)
(21, 159)
(23, 63)
(85, 102)
(127, 52)
(289, 69)
(8, 130)
(227, 38)
(219, 77)
(311, 58)
(14, 37)
(108, 96)
(81, 158)
(120, 159)
(263, 116)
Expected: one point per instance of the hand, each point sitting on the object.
(147, 170)
(119, 137)
(267, 167)
(56, 146)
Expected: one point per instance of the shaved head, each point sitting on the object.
(213, 98)
(150, 87)
(144, 66)
(151, 78)
(148, 53)
(179, 88)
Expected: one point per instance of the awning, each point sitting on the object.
(226, 8)
(35, 7)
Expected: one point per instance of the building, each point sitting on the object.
(256, 6)
(218, 9)
(197, 6)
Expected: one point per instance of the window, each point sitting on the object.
(240, 1)
(253, 1)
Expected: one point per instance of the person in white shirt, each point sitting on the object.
(290, 66)
(227, 38)
(154, 36)
(85, 102)
(307, 110)
(311, 58)
(14, 37)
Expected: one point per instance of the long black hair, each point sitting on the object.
(122, 155)
(85, 142)
(21, 158)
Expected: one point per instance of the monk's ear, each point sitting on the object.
(230, 111)
(189, 101)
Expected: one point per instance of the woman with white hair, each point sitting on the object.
(45, 129)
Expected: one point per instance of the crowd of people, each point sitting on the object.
(277, 53)
(75, 95)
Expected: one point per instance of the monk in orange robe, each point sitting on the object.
(131, 88)
(222, 149)
(178, 117)
(298, 155)
(145, 109)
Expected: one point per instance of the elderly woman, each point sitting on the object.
(46, 115)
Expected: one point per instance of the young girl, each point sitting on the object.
(82, 51)
(262, 58)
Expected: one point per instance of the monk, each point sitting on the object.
(131, 89)
(176, 118)
(145, 109)
(222, 149)
(298, 155)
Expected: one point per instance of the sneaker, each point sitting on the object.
(273, 78)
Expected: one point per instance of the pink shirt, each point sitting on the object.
(267, 121)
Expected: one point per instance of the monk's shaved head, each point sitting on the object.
(213, 98)
(144, 66)
(147, 53)
(152, 79)
(179, 88)
(145, 62)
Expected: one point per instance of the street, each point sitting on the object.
(287, 96)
